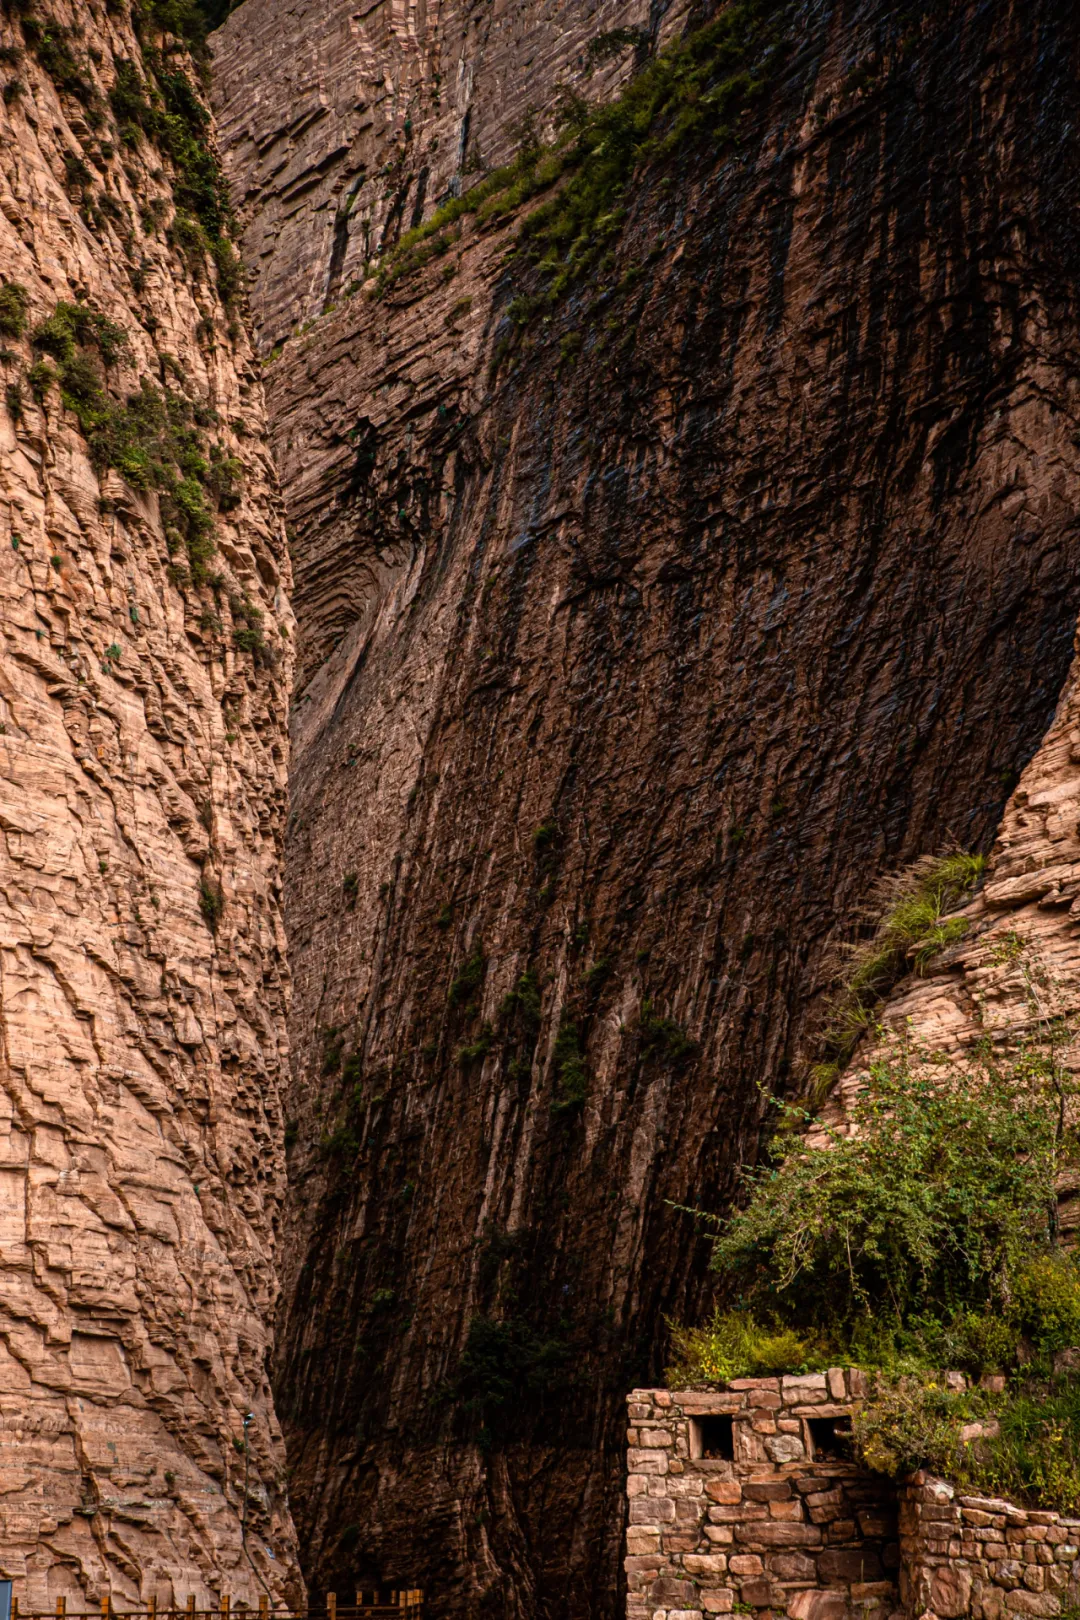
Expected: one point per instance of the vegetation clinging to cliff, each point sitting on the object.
(924, 1217)
(694, 89)
(910, 925)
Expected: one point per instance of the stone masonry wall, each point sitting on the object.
(785, 1526)
(979, 1556)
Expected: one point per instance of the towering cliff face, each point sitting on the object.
(638, 634)
(142, 782)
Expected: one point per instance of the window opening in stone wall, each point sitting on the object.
(830, 1438)
(712, 1436)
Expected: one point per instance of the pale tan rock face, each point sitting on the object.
(142, 766)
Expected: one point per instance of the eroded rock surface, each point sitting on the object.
(637, 638)
(345, 125)
(142, 785)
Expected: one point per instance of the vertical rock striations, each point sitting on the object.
(343, 125)
(639, 631)
(143, 690)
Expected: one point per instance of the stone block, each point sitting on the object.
(754, 1383)
(762, 1422)
(1042, 1604)
(637, 1410)
(651, 1510)
(792, 1566)
(789, 1425)
(673, 1592)
(872, 1525)
(698, 1403)
(739, 1513)
(705, 1564)
(685, 1614)
(637, 1564)
(641, 1542)
(746, 1564)
(840, 1530)
(807, 1387)
(727, 1491)
(689, 1511)
(680, 1541)
(758, 1593)
(656, 1437)
(818, 1605)
(785, 1448)
(1034, 1578)
(719, 1534)
(791, 1511)
(646, 1462)
(637, 1485)
(834, 1497)
(837, 1383)
(773, 1534)
(631, 1437)
(768, 1490)
(721, 1602)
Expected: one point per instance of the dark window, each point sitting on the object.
(830, 1438)
(713, 1436)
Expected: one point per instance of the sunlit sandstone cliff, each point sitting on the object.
(142, 784)
(637, 636)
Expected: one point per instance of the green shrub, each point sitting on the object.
(945, 1192)
(663, 1037)
(1046, 1302)
(211, 901)
(14, 302)
(733, 1345)
(571, 1074)
(71, 327)
(468, 978)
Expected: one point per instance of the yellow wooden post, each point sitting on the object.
(191, 1606)
(224, 1606)
(61, 1608)
(151, 1606)
(331, 1606)
(264, 1606)
(104, 1608)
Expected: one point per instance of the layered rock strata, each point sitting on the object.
(638, 635)
(142, 785)
(345, 127)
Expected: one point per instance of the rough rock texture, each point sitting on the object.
(345, 125)
(142, 771)
(634, 645)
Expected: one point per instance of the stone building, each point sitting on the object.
(746, 1499)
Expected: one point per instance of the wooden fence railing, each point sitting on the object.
(366, 1606)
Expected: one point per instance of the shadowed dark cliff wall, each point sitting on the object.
(635, 644)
